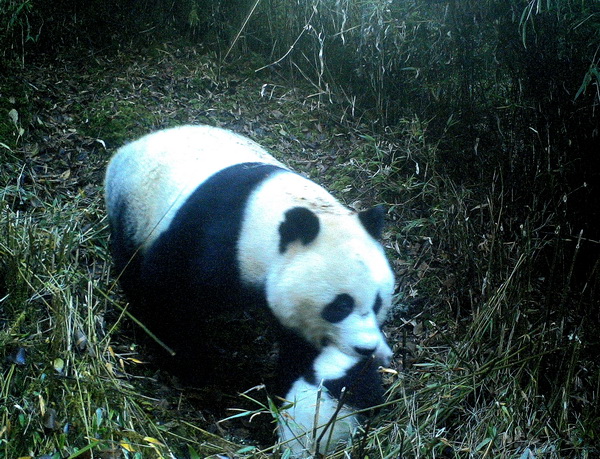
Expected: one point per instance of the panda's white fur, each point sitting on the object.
(153, 178)
(315, 419)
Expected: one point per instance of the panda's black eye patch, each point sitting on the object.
(377, 305)
(338, 309)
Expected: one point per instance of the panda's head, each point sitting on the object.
(334, 284)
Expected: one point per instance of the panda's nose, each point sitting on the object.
(367, 351)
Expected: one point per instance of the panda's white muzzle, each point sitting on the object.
(360, 335)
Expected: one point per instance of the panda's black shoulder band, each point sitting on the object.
(300, 224)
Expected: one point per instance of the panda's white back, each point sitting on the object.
(154, 175)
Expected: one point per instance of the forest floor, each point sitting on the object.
(67, 116)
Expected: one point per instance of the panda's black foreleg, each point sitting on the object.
(295, 360)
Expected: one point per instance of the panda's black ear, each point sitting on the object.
(300, 224)
(372, 220)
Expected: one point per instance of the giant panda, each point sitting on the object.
(205, 221)
(322, 405)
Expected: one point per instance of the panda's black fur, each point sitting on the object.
(202, 238)
(359, 388)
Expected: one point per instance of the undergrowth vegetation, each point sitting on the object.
(475, 122)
